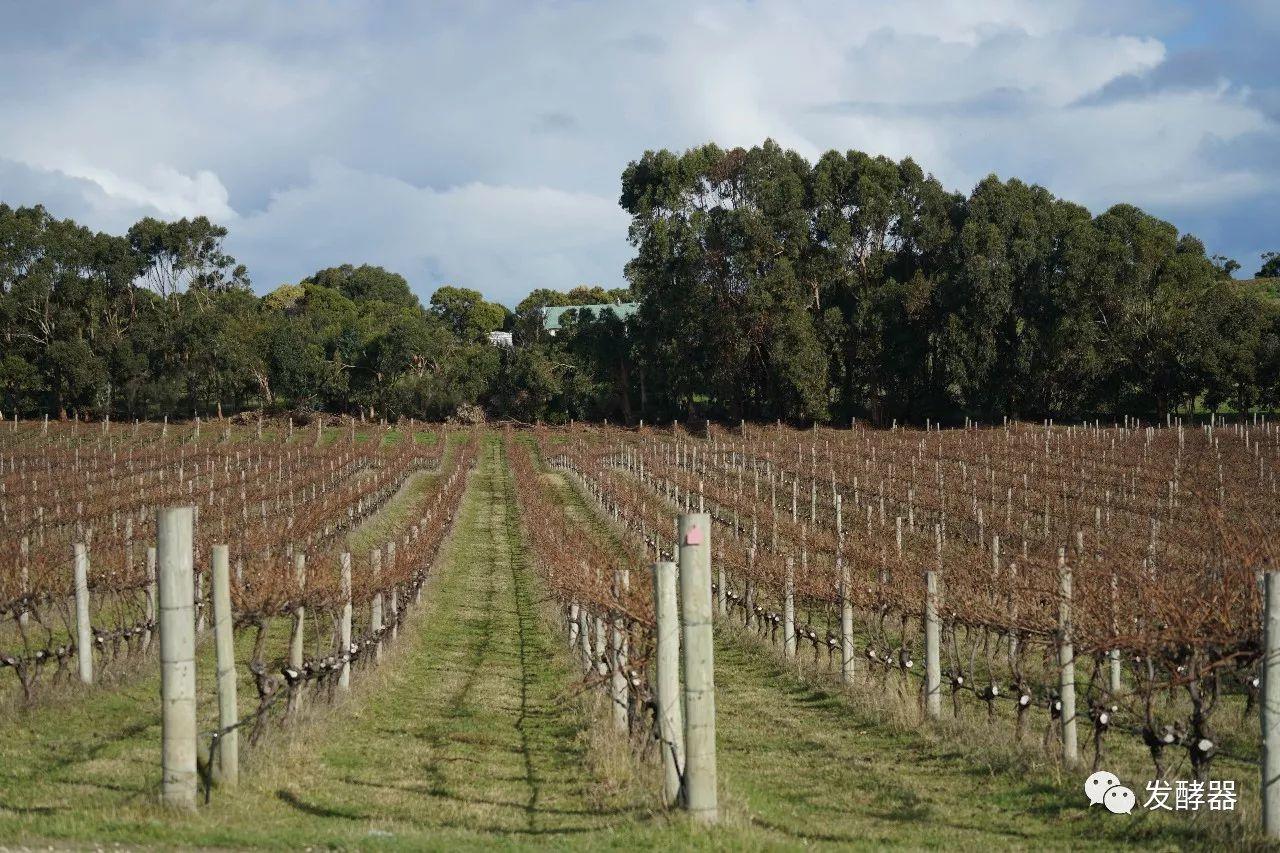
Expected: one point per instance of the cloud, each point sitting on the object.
(481, 144)
(512, 238)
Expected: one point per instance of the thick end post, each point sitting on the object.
(1270, 706)
(176, 590)
(699, 666)
(932, 649)
(227, 766)
(670, 717)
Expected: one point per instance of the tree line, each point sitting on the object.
(768, 287)
(859, 286)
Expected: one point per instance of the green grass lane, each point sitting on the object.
(805, 766)
(471, 738)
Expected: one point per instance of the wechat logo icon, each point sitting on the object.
(1105, 788)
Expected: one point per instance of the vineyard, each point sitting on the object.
(1088, 597)
(79, 531)
(1139, 550)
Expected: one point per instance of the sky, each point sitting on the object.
(481, 144)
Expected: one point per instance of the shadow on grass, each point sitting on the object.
(291, 799)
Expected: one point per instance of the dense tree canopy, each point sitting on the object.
(769, 287)
(861, 287)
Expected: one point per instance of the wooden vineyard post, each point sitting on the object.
(299, 613)
(1066, 660)
(395, 597)
(1270, 706)
(152, 596)
(670, 718)
(722, 588)
(584, 636)
(932, 649)
(618, 680)
(573, 625)
(375, 608)
(601, 649)
(227, 765)
(789, 610)
(84, 632)
(846, 598)
(699, 667)
(344, 627)
(177, 626)
(199, 603)
(1114, 654)
(417, 595)
(24, 557)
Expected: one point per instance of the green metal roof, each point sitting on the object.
(553, 317)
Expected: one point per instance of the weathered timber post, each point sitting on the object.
(601, 649)
(1067, 662)
(932, 649)
(789, 610)
(227, 765)
(670, 717)
(395, 592)
(24, 557)
(344, 627)
(152, 597)
(375, 609)
(84, 632)
(1270, 706)
(199, 604)
(699, 667)
(177, 627)
(299, 613)
(619, 680)
(846, 599)
(584, 636)
(722, 588)
(573, 625)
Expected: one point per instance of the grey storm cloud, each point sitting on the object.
(482, 144)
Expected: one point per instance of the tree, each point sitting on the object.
(366, 283)
(467, 313)
(1270, 266)
(1225, 266)
(185, 255)
(586, 294)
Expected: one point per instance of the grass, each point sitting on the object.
(809, 762)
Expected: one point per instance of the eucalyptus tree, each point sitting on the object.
(721, 240)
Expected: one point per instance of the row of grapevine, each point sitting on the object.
(273, 516)
(629, 632)
(268, 499)
(1159, 536)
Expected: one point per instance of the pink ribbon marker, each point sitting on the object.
(694, 536)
